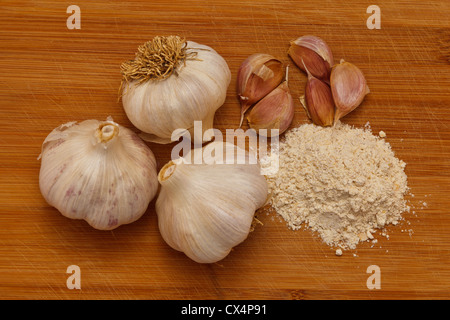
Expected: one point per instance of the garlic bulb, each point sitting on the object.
(206, 209)
(98, 171)
(170, 84)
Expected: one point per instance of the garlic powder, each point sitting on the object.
(342, 182)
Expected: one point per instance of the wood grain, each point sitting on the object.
(51, 75)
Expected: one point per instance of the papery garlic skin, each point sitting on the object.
(98, 171)
(195, 90)
(204, 210)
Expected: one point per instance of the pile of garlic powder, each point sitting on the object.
(342, 182)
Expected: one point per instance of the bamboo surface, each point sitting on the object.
(52, 75)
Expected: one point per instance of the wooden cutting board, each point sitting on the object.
(51, 75)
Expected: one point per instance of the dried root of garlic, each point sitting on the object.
(204, 210)
(98, 171)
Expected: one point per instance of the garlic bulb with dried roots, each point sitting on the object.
(98, 171)
(170, 84)
(204, 210)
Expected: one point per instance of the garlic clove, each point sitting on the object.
(258, 75)
(316, 55)
(204, 210)
(98, 171)
(348, 87)
(318, 101)
(274, 111)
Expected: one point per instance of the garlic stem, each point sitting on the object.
(287, 75)
(156, 59)
(316, 55)
(166, 171)
(106, 131)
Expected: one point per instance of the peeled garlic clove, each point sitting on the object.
(318, 101)
(98, 171)
(348, 87)
(316, 55)
(204, 210)
(274, 111)
(170, 84)
(258, 75)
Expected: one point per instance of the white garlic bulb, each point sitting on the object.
(98, 171)
(170, 84)
(204, 210)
